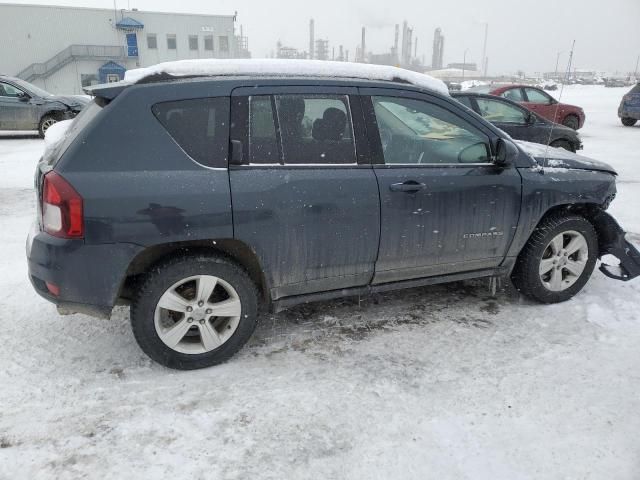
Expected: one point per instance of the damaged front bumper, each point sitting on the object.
(616, 242)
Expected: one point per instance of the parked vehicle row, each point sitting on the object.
(629, 109)
(520, 123)
(24, 106)
(195, 200)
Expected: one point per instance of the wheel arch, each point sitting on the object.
(594, 213)
(232, 249)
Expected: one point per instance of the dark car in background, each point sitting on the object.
(520, 123)
(24, 106)
(540, 102)
(629, 109)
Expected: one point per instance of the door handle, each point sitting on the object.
(410, 186)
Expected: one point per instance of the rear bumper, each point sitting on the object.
(616, 243)
(88, 276)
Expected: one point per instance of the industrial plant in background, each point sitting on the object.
(403, 52)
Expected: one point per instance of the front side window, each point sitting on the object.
(193, 42)
(152, 41)
(497, 111)
(315, 129)
(200, 126)
(7, 90)
(417, 132)
(536, 96)
(171, 42)
(513, 94)
(208, 43)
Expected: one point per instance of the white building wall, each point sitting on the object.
(35, 33)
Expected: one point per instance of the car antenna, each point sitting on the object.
(555, 114)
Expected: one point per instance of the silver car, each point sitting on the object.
(26, 107)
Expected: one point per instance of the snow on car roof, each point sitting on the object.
(305, 68)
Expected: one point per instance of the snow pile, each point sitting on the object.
(467, 84)
(56, 132)
(305, 68)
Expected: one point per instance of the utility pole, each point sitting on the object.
(635, 72)
(464, 62)
(484, 49)
(557, 63)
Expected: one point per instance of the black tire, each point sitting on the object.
(572, 122)
(166, 274)
(566, 144)
(526, 276)
(45, 122)
(628, 122)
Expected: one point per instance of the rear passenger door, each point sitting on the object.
(445, 208)
(304, 195)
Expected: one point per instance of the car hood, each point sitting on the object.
(70, 100)
(561, 158)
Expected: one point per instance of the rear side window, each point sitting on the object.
(466, 101)
(199, 126)
(315, 129)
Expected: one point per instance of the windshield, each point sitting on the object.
(32, 89)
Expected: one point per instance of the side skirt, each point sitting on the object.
(287, 302)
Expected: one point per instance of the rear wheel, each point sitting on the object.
(571, 121)
(45, 123)
(194, 312)
(558, 259)
(563, 144)
(629, 122)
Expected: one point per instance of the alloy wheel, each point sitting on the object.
(197, 314)
(563, 261)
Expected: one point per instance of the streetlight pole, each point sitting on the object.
(484, 49)
(557, 63)
(635, 72)
(464, 62)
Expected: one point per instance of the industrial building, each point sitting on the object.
(63, 49)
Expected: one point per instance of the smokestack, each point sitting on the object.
(403, 49)
(395, 43)
(311, 39)
(363, 48)
(341, 53)
(415, 48)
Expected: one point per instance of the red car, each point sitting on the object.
(539, 101)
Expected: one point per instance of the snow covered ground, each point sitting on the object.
(443, 382)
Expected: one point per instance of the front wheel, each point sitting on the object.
(628, 122)
(194, 312)
(558, 259)
(45, 123)
(572, 122)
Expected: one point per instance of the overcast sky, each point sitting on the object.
(523, 35)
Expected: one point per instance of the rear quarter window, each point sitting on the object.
(199, 126)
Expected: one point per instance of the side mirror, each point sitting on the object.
(506, 153)
(23, 97)
(531, 118)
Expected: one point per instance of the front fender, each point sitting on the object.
(612, 240)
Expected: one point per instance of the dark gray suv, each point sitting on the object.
(24, 106)
(195, 200)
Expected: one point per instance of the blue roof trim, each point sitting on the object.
(129, 23)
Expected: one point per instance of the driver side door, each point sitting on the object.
(445, 208)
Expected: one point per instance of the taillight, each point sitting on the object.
(61, 208)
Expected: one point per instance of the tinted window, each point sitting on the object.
(152, 41)
(418, 132)
(193, 42)
(208, 42)
(514, 94)
(536, 96)
(171, 42)
(497, 111)
(316, 129)
(7, 90)
(199, 126)
(466, 101)
(263, 143)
